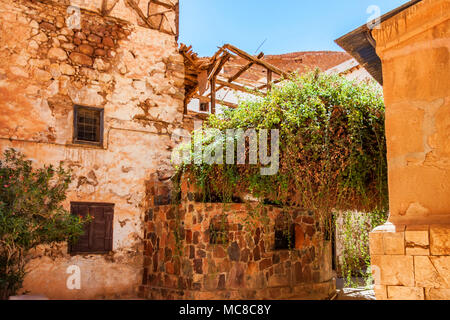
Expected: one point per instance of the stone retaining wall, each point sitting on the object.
(181, 263)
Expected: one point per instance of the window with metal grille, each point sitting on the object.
(204, 106)
(88, 125)
(284, 234)
(218, 230)
(98, 233)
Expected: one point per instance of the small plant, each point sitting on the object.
(353, 233)
(31, 214)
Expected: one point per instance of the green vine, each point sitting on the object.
(353, 234)
(332, 148)
(332, 156)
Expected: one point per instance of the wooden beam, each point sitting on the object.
(221, 102)
(219, 65)
(237, 87)
(260, 62)
(227, 104)
(245, 68)
(215, 56)
(213, 95)
(273, 82)
(269, 80)
(185, 55)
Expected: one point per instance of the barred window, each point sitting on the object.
(88, 125)
(218, 230)
(284, 234)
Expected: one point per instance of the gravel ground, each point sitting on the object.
(360, 293)
(355, 294)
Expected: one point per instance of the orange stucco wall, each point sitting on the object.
(411, 253)
(414, 49)
(136, 75)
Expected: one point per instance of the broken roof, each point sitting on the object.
(361, 45)
(203, 72)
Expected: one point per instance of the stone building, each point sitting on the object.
(101, 87)
(98, 85)
(409, 54)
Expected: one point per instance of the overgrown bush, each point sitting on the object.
(332, 147)
(31, 214)
(332, 157)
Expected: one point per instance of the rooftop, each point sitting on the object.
(360, 44)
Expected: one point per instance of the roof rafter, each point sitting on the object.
(244, 68)
(196, 68)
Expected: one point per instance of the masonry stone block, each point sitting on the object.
(376, 243)
(394, 243)
(440, 240)
(417, 240)
(393, 270)
(432, 272)
(380, 292)
(405, 293)
(437, 294)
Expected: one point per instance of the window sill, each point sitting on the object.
(85, 145)
(85, 254)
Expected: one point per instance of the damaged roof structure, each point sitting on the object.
(203, 79)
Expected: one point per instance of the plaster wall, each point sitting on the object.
(410, 254)
(414, 49)
(136, 76)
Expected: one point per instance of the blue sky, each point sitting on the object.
(288, 25)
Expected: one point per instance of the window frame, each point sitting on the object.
(219, 231)
(288, 228)
(71, 250)
(75, 139)
(207, 106)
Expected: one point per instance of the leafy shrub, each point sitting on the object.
(30, 214)
(332, 147)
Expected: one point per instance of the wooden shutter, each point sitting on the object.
(82, 245)
(109, 222)
(98, 237)
(98, 229)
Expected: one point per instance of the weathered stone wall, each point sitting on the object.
(414, 49)
(411, 257)
(181, 263)
(411, 262)
(136, 75)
